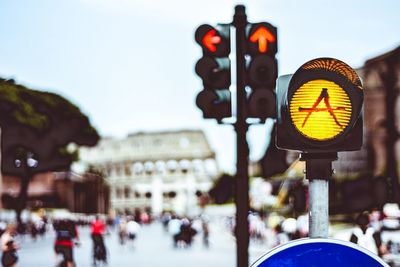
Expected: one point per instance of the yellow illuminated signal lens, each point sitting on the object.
(320, 110)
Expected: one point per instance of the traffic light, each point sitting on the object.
(319, 108)
(215, 71)
(262, 69)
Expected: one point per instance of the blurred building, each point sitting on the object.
(154, 171)
(41, 191)
(78, 193)
(381, 82)
(86, 193)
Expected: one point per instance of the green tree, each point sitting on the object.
(36, 131)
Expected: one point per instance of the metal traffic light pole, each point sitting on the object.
(241, 126)
(215, 100)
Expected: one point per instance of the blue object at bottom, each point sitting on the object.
(320, 255)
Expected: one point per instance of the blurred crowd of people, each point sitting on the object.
(65, 229)
(272, 230)
(183, 229)
(267, 231)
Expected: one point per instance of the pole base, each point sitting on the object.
(318, 165)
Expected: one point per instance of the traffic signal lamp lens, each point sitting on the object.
(262, 36)
(262, 39)
(215, 72)
(320, 109)
(210, 40)
(262, 104)
(214, 41)
(262, 72)
(215, 103)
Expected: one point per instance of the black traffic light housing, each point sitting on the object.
(332, 70)
(215, 104)
(215, 71)
(262, 70)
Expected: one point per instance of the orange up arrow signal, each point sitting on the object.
(211, 39)
(262, 35)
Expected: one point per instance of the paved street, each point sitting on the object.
(153, 247)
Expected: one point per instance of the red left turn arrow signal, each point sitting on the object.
(211, 39)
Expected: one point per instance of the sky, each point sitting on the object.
(129, 65)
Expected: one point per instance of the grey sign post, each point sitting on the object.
(318, 172)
